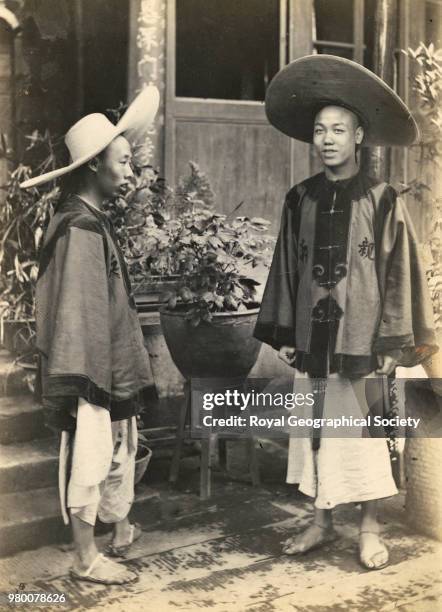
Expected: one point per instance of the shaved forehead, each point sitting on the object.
(119, 147)
(337, 114)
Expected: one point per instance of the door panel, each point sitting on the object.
(246, 162)
(231, 140)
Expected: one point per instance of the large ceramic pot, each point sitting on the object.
(224, 347)
(168, 380)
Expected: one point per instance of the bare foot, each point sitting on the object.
(313, 537)
(104, 571)
(373, 552)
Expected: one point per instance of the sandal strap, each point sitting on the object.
(99, 557)
(324, 527)
(131, 534)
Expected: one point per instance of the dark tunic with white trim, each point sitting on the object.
(346, 281)
(88, 334)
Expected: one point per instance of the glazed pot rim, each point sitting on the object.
(228, 313)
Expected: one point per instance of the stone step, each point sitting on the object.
(32, 518)
(13, 378)
(28, 465)
(33, 464)
(21, 419)
(29, 520)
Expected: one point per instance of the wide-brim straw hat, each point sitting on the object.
(299, 91)
(93, 133)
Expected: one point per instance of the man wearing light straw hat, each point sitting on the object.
(94, 373)
(346, 299)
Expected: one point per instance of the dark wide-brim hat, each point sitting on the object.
(298, 92)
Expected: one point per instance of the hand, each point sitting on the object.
(287, 354)
(387, 364)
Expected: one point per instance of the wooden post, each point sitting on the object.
(385, 36)
(181, 433)
(9, 29)
(300, 43)
(147, 64)
(79, 40)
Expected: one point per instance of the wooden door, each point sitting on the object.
(220, 58)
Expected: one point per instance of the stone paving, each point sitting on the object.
(225, 555)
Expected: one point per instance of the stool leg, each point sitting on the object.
(184, 411)
(206, 467)
(253, 462)
(222, 453)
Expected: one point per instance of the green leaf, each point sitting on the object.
(195, 320)
(260, 221)
(248, 282)
(219, 301)
(166, 296)
(186, 294)
(172, 302)
(230, 302)
(208, 297)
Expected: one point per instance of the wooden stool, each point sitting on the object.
(207, 447)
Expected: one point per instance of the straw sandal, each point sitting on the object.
(121, 551)
(91, 575)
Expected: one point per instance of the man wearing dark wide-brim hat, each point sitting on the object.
(94, 373)
(346, 299)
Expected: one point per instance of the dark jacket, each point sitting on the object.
(88, 334)
(346, 279)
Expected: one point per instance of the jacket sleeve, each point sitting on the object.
(73, 324)
(276, 319)
(406, 321)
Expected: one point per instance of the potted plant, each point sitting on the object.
(208, 319)
(427, 83)
(23, 218)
